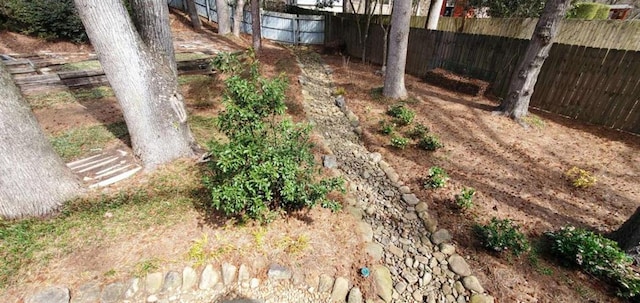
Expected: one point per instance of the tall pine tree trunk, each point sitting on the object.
(399, 39)
(255, 25)
(224, 20)
(33, 179)
(193, 14)
(238, 16)
(142, 80)
(523, 81)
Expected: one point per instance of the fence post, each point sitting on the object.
(206, 4)
(296, 29)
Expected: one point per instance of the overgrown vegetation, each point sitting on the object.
(436, 177)
(589, 11)
(502, 235)
(580, 178)
(267, 166)
(596, 255)
(51, 20)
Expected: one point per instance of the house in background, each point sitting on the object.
(620, 11)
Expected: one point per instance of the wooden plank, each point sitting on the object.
(619, 83)
(597, 96)
(546, 79)
(630, 94)
(592, 58)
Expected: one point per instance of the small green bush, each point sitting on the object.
(430, 142)
(51, 20)
(596, 255)
(403, 114)
(387, 128)
(418, 131)
(267, 166)
(464, 200)
(502, 235)
(580, 178)
(399, 142)
(589, 11)
(602, 13)
(436, 177)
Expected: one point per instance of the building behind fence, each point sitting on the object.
(595, 85)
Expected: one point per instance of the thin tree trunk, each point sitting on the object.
(399, 38)
(193, 15)
(224, 20)
(628, 235)
(434, 14)
(238, 16)
(523, 81)
(145, 87)
(33, 179)
(255, 25)
(151, 18)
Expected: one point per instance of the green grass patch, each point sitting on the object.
(204, 129)
(44, 100)
(83, 65)
(191, 56)
(187, 79)
(77, 142)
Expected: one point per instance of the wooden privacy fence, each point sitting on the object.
(281, 27)
(598, 86)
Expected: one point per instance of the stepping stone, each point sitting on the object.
(228, 273)
(153, 282)
(209, 277)
(383, 282)
(189, 278)
(55, 294)
(340, 290)
(112, 293)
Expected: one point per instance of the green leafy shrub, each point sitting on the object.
(464, 200)
(580, 178)
(403, 114)
(399, 142)
(436, 177)
(418, 131)
(51, 20)
(430, 142)
(266, 166)
(386, 127)
(589, 11)
(502, 235)
(340, 91)
(596, 255)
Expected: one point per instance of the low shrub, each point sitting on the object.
(430, 142)
(418, 131)
(464, 200)
(51, 20)
(386, 127)
(580, 178)
(402, 114)
(436, 177)
(502, 235)
(399, 142)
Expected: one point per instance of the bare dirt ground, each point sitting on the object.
(518, 174)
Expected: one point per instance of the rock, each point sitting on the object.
(430, 222)
(383, 282)
(152, 299)
(209, 277)
(426, 279)
(254, 283)
(447, 249)
(340, 290)
(189, 278)
(54, 294)
(87, 293)
(410, 277)
(366, 232)
(439, 256)
(279, 272)
(422, 206)
(228, 273)
(112, 293)
(404, 189)
(375, 158)
(418, 295)
(440, 236)
(340, 101)
(408, 262)
(410, 216)
(329, 161)
(355, 296)
(401, 287)
(134, 286)
(374, 250)
(395, 250)
(153, 283)
(243, 273)
(481, 298)
(458, 265)
(471, 283)
(410, 199)
(325, 284)
(356, 212)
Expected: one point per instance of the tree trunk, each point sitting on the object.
(434, 14)
(33, 179)
(255, 25)
(224, 20)
(399, 38)
(238, 16)
(523, 81)
(193, 14)
(628, 235)
(151, 18)
(145, 87)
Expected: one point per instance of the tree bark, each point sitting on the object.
(628, 235)
(151, 18)
(238, 16)
(193, 14)
(144, 85)
(33, 179)
(255, 25)
(399, 38)
(523, 81)
(224, 20)
(434, 14)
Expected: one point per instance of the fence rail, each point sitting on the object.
(595, 85)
